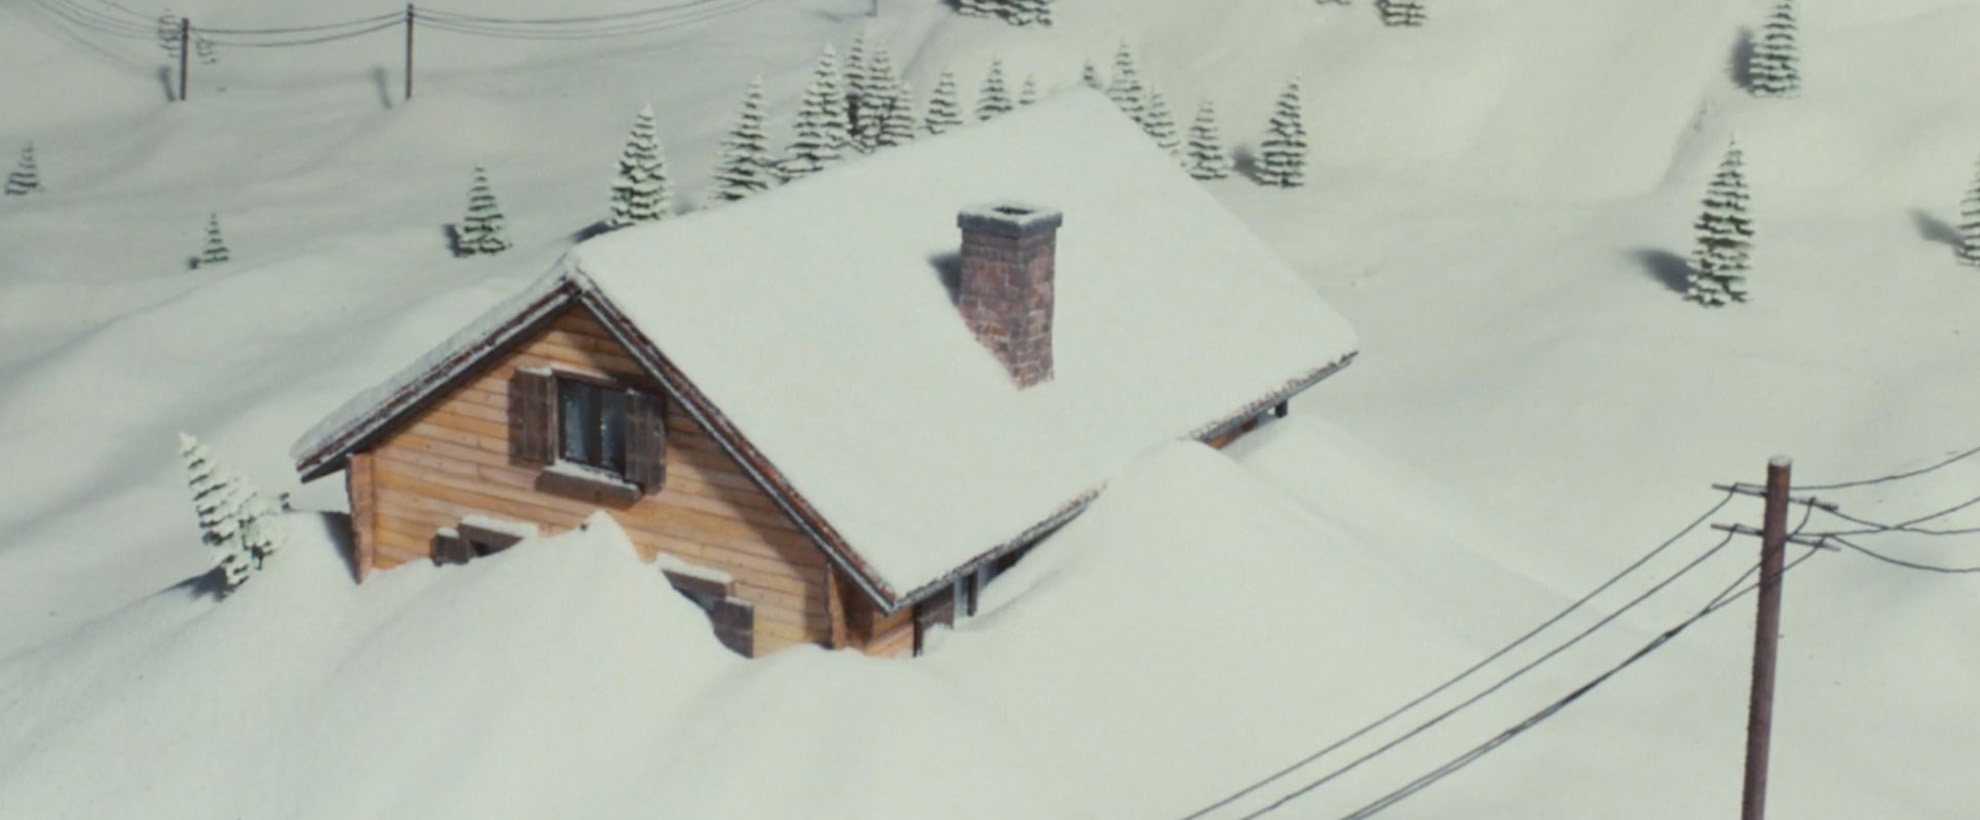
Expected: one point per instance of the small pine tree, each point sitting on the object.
(215, 251)
(217, 499)
(1775, 67)
(484, 230)
(1725, 236)
(1282, 157)
(26, 177)
(746, 167)
(1969, 223)
(821, 125)
(642, 191)
(1090, 77)
(995, 99)
(854, 80)
(898, 128)
(261, 531)
(1127, 90)
(1206, 157)
(1029, 93)
(1160, 124)
(883, 92)
(1409, 13)
(944, 106)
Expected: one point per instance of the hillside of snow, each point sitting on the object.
(1499, 202)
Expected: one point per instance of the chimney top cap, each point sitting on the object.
(1009, 218)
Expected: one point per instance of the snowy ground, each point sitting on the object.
(1497, 203)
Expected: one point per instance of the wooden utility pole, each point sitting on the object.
(1766, 640)
(185, 52)
(409, 51)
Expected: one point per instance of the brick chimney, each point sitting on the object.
(1006, 289)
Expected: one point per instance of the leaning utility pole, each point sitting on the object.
(185, 51)
(1766, 640)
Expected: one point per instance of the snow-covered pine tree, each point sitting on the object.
(1206, 157)
(484, 230)
(746, 167)
(1090, 77)
(1725, 236)
(1282, 157)
(853, 79)
(26, 176)
(995, 99)
(216, 501)
(215, 251)
(1027, 12)
(1029, 93)
(898, 128)
(1160, 124)
(883, 91)
(261, 531)
(1775, 68)
(1402, 12)
(821, 126)
(1969, 222)
(944, 106)
(642, 191)
(1126, 90)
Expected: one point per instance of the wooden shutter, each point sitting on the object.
(646, 440)
(532, 417)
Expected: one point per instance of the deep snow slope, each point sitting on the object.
(1498, 202)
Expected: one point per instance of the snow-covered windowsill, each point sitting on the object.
(586, 481)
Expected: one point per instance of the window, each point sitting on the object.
(592, 425)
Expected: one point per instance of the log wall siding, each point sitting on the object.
(453, 459)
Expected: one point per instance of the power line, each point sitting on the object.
(1901, 562)
(1501, 684)
(77, 16)
(550, 34)
(1473, 754)
(1440, 688)
(1893, 477)
(596, 18)
(1871, 527)
(377, 18)
(306, 41)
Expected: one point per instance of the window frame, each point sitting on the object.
(612, 464)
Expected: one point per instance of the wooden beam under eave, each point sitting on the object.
(835, 607)
(360, 485)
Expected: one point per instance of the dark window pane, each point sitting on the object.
(612, 430)
(577, 410)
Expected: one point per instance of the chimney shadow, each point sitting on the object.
(598, 228)
(1934, 229)
(1669, 269)
(948, 269)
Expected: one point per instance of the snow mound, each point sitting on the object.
(430, 692)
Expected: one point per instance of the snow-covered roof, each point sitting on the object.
(817, 319)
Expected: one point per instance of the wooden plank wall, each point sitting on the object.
(453, 459)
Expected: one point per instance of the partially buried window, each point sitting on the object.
(592, 422)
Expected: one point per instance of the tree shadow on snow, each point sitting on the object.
(209, 584)
(594, 229)
(1741, 67)
(453, 234)
(1934, 229)
(165, 80)
(948, 269)
(1244, 161)
(1670, 269)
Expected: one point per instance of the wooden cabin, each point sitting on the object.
(835, 429)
